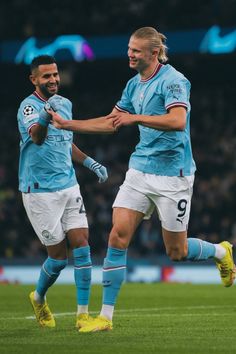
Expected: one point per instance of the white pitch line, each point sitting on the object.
(126, 312)
(175, 315)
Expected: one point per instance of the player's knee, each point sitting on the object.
(118, 238)
(176, 253)
(78, 238)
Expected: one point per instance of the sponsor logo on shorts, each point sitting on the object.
(47, 235)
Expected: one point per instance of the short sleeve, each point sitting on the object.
(177, 94)
(125, 103)
(28, 115)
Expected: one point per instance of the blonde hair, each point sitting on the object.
(156, 39)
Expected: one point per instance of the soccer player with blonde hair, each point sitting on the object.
(161, 169)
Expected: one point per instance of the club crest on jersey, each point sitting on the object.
(28, 110)
(47, 235)
(141, 97)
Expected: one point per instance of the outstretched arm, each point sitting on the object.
(93, 125)
(175, 119)
(78, 155)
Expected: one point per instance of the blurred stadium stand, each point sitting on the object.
(94, 87)
(24, 18)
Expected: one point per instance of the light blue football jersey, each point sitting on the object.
(166, 153)
(47, 167)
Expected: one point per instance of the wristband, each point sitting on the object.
(44, 116)
(88, 162)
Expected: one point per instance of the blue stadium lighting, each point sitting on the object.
(215, 40)
(75, 44)
(215, 43)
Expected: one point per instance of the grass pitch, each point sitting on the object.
(149, 318)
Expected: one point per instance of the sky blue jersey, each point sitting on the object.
(166, 153)
(47, 167)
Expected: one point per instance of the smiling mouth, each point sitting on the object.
(52, 87)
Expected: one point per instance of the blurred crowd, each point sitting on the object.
(50, 18)
(213, 130)
(94, 88)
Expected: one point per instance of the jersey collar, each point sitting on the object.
(35, 93)
(156, 70)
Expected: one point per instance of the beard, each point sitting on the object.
(46, 90)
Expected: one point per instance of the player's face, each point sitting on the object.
(140, 55)
(46, 80)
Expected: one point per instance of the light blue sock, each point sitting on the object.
(82, 274)
(199, 250)
(49, 273)
(114, 269)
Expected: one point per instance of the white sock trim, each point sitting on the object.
(82, 309)
(107, 311)
(38, 298)
(200, 254)
(220, 251)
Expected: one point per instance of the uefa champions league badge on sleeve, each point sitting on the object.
(28, 110)
(29, 113)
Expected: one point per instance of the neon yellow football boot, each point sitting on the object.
(100, 323)
(226, 265)
(42, 313)
(82, 320)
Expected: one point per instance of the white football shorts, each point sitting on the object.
(171, 196)
(53, 214)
